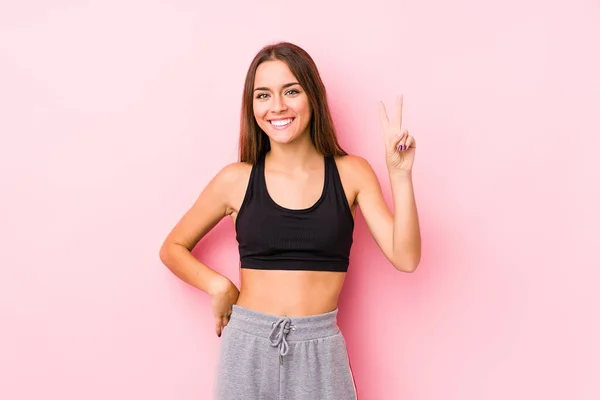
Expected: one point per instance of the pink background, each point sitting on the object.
(115, 114)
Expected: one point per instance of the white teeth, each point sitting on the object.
(281, 122)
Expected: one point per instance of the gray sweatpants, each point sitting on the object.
(266, 357)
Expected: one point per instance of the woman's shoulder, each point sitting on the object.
(353, 165)
(356, 173)
(233, 174)
(229, 185)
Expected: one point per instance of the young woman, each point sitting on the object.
(292, 198)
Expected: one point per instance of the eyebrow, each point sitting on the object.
(283, 87)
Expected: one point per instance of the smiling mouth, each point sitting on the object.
(281, 123)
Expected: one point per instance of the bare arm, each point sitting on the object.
(397, 234)
(212, 205)
(407, 234)
(188, 268)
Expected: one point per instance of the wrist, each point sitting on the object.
(399, 173)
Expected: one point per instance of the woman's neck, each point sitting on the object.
(293, 156)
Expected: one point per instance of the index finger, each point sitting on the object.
(383, 117)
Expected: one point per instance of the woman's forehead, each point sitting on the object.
(273, 74)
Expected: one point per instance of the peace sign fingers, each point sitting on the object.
(397, 117)
(391, 126)
(399, 145)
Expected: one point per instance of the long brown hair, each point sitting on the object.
(254, 143)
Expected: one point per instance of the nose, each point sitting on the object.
(278, 104)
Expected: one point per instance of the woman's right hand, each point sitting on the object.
(224, 296)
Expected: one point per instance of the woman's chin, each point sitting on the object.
(282, 137)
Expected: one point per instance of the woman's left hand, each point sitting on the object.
(400, 147)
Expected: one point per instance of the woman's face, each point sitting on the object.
(281, 107)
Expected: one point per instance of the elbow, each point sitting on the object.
(165, 252)
(407, 264)
(169, 252)
(408, 268)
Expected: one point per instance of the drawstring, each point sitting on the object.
(278, 335)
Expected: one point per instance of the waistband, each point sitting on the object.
(281, 330)
(294, 328)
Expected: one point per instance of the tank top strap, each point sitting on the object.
(334, 185)
(253, 188)
(259, 184)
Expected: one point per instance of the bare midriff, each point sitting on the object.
(290, 293)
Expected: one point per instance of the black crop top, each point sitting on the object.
(272, 237)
